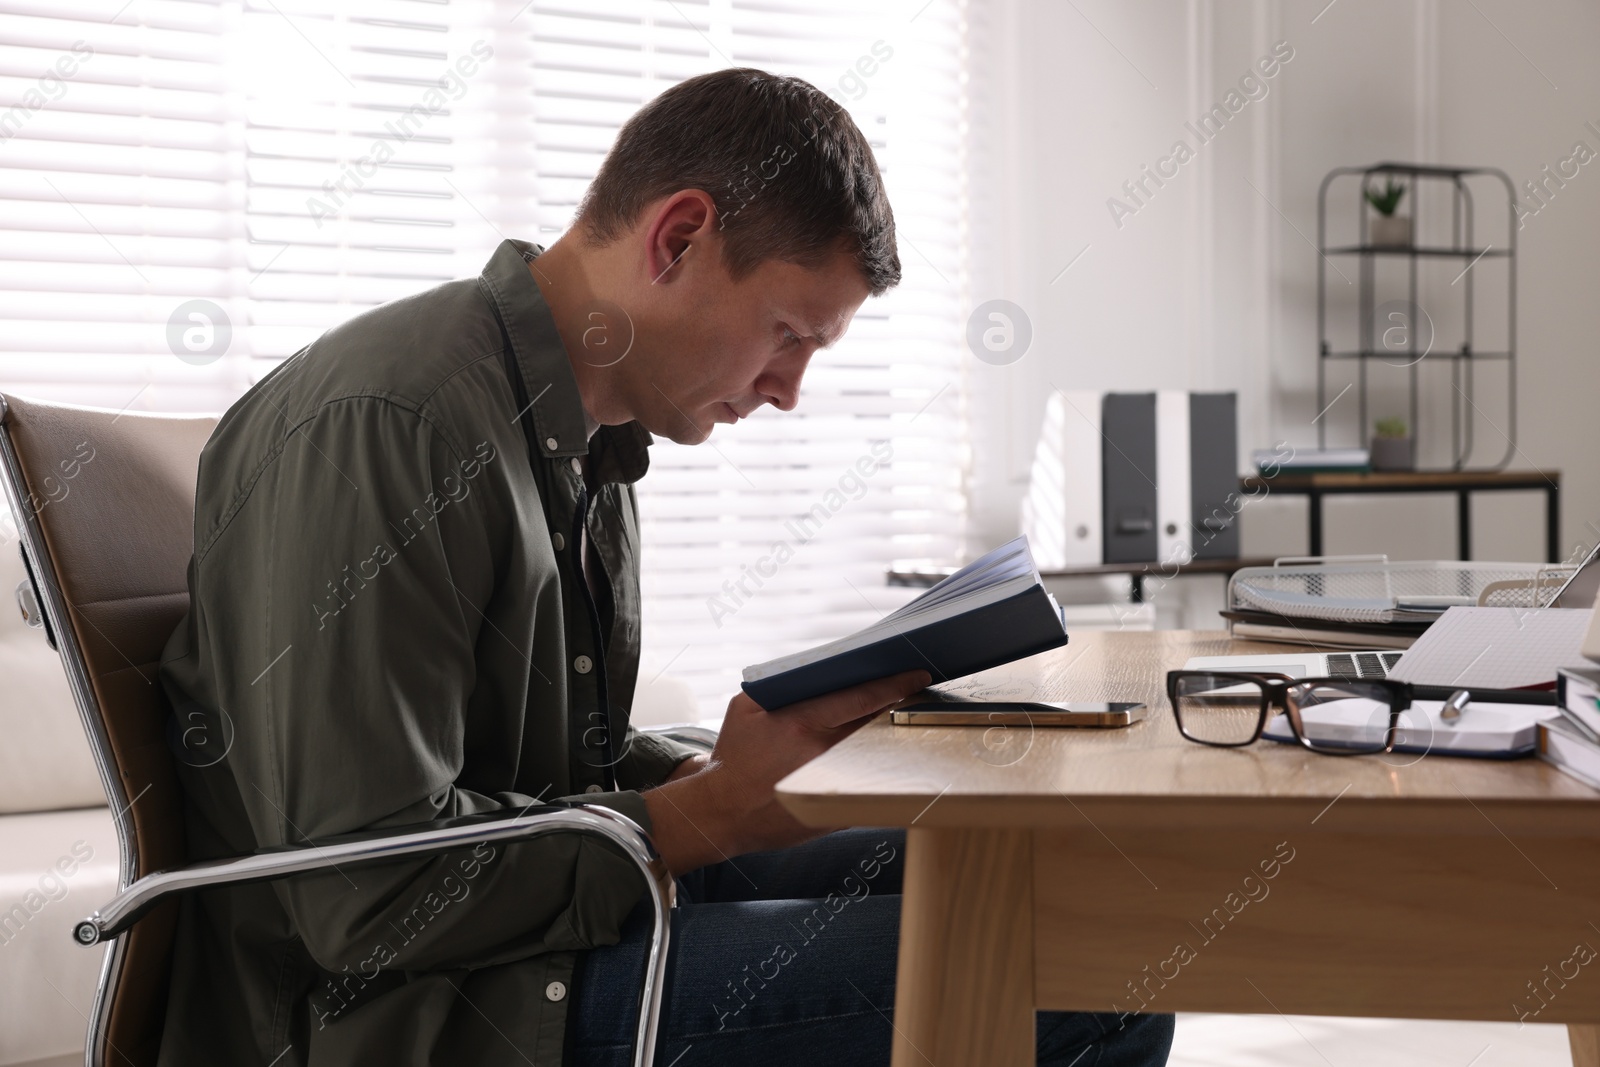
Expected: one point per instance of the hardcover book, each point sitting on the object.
(990, 612)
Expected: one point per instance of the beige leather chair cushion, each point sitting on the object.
(122, 528)
(45, 764)
(119, 530)
(115, 497)
(36, 946)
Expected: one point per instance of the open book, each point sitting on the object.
(990, 612)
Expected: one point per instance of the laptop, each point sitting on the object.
(1350, 665)
(1578, 591)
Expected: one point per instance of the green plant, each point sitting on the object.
(1393, 426)
(1385, 202)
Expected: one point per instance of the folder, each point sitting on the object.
(1061, 510)
(1128, 477)
(1174, 539)
(1214, 474)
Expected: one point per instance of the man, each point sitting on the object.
(415, 595)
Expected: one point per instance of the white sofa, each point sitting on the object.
(58, 850)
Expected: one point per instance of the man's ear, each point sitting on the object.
(681, 221)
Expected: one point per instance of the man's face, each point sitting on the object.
(718, 349)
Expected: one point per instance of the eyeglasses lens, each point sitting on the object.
(1218, 709)
(1346, 716)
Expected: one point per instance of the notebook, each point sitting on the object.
(1561, 746)
(1491, 730)
(992, 611)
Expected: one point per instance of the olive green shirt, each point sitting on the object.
(388, 625)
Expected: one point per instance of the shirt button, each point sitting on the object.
(555, 991)
(583, 664)
(594, 789)
(577, 465)
(559, 541)
(551, 443)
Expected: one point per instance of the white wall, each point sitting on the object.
(1212, 283)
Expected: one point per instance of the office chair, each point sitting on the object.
(104, 503)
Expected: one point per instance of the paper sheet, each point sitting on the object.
(1495, 648)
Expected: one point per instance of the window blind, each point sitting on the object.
(386, 164)
(292, 165)
(778, 536)
(118, 199)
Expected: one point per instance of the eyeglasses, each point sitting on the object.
(1334, 716)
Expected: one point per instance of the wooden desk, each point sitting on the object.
(1102, 870)
(1462, 483)
(927, 577)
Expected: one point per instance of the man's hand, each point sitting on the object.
(727, 807)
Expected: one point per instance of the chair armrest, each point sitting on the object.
(701, 737)
(269, 864)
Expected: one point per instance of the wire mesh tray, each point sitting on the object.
(1372, 589)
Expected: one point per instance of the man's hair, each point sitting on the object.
(791, 175)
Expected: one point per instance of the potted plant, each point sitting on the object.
(1388, 230)
(1392, 446)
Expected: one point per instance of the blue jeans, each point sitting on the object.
(788, 958)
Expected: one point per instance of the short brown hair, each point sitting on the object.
(791, 175)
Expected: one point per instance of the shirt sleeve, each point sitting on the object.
(339, 614)
(650, 758)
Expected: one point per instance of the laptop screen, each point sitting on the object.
(1580, 590)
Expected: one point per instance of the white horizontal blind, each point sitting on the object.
(295, 162)
(777, 534)
(779, 537)
(119, 197)
(383, 154)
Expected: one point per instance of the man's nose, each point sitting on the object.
(781, 384)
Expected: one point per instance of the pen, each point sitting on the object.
(1450, 714)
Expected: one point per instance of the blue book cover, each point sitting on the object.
(990, 612)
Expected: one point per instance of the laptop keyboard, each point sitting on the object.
(1361, 664)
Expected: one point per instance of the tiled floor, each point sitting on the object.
(1311, 1041)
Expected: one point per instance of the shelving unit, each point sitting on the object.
(1465, 361)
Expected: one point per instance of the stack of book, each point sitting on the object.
(1572, 742)
(1264, 607)
(1253, 625)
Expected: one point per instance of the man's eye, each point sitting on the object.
(790, 337)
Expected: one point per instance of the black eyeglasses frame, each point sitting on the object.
(1275, 690)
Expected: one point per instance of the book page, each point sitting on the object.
(996, 576)
(890, 626)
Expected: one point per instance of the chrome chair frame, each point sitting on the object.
(134, 900)
(138, 892)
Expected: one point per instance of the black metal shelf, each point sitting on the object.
(1461, 245)
(1473, 355)
(1406, 250)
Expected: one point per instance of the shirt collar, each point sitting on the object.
(619, 452)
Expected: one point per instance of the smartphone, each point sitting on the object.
(1099, 715)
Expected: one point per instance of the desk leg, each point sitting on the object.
(1314, 516)
(1585, 1042)
(1464, 524)
(964, 996)
(1552, 522)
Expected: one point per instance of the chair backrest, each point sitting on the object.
(104, 503)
